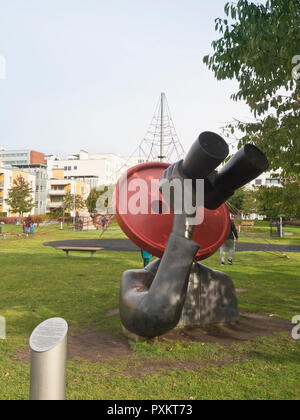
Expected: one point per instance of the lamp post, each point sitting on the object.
(74, 205)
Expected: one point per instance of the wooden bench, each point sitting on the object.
(67, 249)
(247, 224)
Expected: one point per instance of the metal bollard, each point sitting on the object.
(48, 344)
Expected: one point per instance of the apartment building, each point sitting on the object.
(21, 157)
(267, 179)
(94, 169)
(59, 186)
(31, 162)
(7, 178)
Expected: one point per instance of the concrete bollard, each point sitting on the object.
(48, 345)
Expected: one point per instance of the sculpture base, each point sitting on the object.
(211, 299)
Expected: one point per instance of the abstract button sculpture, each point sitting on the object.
(176, 290)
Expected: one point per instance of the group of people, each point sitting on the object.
(227, 247)
(28, 225)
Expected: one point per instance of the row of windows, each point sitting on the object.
(6, 155)
(69, 168)
(270, 181)
(15, 162)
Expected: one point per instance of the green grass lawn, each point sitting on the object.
(39, 282)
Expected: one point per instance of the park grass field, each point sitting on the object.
(38, 282)
(260, 233)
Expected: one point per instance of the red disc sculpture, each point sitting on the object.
(149, 229)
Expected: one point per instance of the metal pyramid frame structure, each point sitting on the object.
(161, 142)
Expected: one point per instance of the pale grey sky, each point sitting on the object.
(88, 74)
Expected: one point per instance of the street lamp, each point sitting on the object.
(74, 204)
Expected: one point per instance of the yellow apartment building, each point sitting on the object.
(59, 186)
(7, 178)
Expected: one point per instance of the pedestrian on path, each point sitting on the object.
(229, 244)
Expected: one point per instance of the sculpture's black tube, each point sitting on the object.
(151, 307)
(205, 155)
(247, 164)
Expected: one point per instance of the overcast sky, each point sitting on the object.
(87, 74)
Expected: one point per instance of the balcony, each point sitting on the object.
(55, 205)
(58, 192)
(59, 182)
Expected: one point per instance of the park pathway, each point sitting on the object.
(125, 245)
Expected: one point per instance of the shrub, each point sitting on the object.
(292, 223)
(11, 220)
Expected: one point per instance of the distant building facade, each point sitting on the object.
(51, 177)
(59, 187)
(7, 178)
(21, 157)
(94, 169)
(267, 179)
(34, 163)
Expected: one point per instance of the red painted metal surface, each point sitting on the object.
(151, 231)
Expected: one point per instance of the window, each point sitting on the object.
(273, 181)
(69, 168)
(75, 168)
(65, 168)
(258, 182)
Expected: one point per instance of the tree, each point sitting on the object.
(92, 199)
(269, 200)
(243, 201)
(20, 197)
(68, 203)
(250, 205)
(276, 201)
(236, 201)
(260, 48)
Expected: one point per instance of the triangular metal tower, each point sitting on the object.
(161, 142)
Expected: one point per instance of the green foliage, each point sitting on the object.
(244, 201)
(105, 202)
(92, 199)
(237, 199)
(68, 203)
(20, 197)
(275, 202)
(257, 46)
(250, 204)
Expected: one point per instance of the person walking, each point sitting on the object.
(146, 257)
(229, 245)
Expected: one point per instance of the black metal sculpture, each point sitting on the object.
(156, 299)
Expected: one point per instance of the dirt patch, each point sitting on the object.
(96, 347)
(249, 327)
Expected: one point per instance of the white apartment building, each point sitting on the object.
(94, 169)
(267, 179)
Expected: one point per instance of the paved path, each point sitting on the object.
(125, 245)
